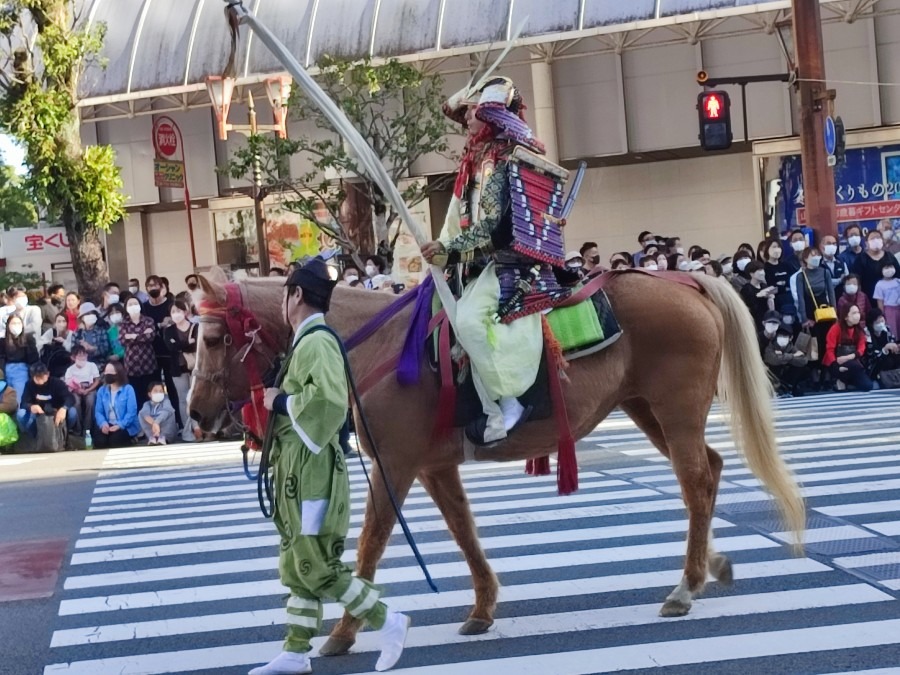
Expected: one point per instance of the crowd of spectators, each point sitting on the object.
(116, 366)
(827, 312)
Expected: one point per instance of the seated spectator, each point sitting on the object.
(883, 352)
(30, 314)
(700, 255)
(757, 294)
(887, 296)
(727, 267)
(853, 296)
(157, 417)
(713, 268)
(45, 395)
(18, 352)
(91, 334)
(675, 261)
(788, 364)
(662, 261)
(771, 321)
(8, 403)
(115, 410)
(83, 380)
(55, 346)
(673, 246)
(845, 347)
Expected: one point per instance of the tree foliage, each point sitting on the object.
(47, 49)
(16, 207)
(395, 107)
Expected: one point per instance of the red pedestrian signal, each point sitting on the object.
(715, 120)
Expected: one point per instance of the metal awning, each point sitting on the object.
(158, 52)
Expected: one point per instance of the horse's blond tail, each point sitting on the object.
(745, 388)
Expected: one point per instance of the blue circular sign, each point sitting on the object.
(830, 135)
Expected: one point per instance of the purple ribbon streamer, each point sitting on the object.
(414, 344)
(385, 315)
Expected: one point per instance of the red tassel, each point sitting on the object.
(446, 412)
(566, 466)
(539, 466)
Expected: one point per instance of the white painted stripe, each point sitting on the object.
(246, 486)
(103, 513)
(508, 593)
(157, 551)
(860, 509)
(891, 528)
(156, 574)
(179, 449)
(839, 533)
(170, 483)
(126, 478)
(835, 475)
(850, 488)
(541, 561)
(869, 559)
(893, 584)
(251, 514)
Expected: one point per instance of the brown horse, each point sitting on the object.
(678, 349)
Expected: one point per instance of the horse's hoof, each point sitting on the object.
(475, 627)
(335, 647)
(674, 608)
(723, 571)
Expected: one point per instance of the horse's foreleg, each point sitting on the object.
(376, 531)
(446, 489)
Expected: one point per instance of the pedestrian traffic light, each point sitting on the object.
(714, 108)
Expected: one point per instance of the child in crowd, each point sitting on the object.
(83, 380)
(887, 295)
(157, 416)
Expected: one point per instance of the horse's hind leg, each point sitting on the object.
(446, 489)
(376, 531)
(695, 472)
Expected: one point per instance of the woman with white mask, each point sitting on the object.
(798, 243)
(869, 264)
(789, 365)
(137, 334)
(18, 352)
(91, 335)
(739, 262)
(180, 338)
(757, 294)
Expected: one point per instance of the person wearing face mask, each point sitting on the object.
(134, 289)
(590, 253)
(349, 276)
(114, 324)
(675, 261)
(181, 341)
(662, 261)
(574, 269)
(52, 304)
(649, 263)
(157, 417)
(374, 267)
(115, 410)
(887, 297)
(853, 296)
(159, 309)
(778, 274)
(673, 246)
(30, 314)
(771, 320)
(845, 346)
(757, 294)
(869, 264)
(91, 335)
(83, 379)
(891, 240)
(727, 267)
(883, 352)
(798, 244)
(740, 261)
(137, 334)
(812, 290)
(55, 346)
(18, 352)
(832, 262)
(789, 365)
(854, 248)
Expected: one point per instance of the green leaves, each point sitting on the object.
(396, 108)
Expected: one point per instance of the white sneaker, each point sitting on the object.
(286, 663)
(393, 638)
(161, 440)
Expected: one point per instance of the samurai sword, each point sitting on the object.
(573, 191)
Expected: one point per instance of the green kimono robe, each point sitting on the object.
(312, 490)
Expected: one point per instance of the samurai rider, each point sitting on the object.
(505, 357)
(312, 489)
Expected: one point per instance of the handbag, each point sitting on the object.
(808, 345)
(50, 436)
(890, 379)
(9, 432)
(822, 312)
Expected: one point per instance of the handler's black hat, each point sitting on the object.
(312, 276)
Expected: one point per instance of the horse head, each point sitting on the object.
(219, 379)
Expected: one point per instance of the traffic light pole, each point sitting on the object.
(818, 177)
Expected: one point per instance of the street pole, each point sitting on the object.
(259, 214)
(818, 177)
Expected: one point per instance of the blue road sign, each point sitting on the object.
(830, 135)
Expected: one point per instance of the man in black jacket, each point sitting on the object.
(45, 395)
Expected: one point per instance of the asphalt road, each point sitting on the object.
(173, 570)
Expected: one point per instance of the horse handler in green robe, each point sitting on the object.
(312, 490)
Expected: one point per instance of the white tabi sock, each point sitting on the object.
(512, 411)
(286, 663)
